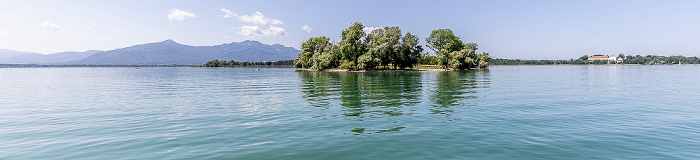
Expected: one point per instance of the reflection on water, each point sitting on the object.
(362, 95)
(451, 88)
(368, 96)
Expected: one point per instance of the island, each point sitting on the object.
(387, 49)
(232, 63)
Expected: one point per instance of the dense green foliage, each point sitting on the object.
(452, 53)
(318, 53)
(428, 60)
(231, 63)
(649, 59)
(410, 51)
(351, 44)
(441, 38)
(638, 59)
(386, 48)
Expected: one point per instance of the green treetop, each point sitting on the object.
(318, 53)
(387, 47)
(452, 53)
(441, 38)
(351, 44)
(409, 53)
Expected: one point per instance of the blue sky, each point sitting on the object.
(507, 29)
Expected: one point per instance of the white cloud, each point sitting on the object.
(227, 36)
(228, 13)
(2, 32)
(255, 31)
(48, 24)
(369, 30)
(179, 15)
(307, 28)
(259, 19)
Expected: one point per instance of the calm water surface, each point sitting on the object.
(507, 112)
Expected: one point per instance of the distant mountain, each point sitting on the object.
(171, 52)
(253, 51)
(5, 54)
(36, 58)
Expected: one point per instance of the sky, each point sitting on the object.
(542, 29)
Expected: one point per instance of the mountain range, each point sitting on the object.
(15, 57)
(165, 52)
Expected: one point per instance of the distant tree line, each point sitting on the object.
(500, 61)
(650, 60)
(583, 60)
(386, 48)
(232, 63)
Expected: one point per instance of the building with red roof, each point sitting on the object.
(602, 58)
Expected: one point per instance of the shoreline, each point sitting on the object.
(387, 70)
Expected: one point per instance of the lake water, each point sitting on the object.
(507, 112)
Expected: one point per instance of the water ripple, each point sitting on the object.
(507, 112)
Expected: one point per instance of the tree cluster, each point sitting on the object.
(385, 48)
(232, 63)
(453, 53)
(652, 59)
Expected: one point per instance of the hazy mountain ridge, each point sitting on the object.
(17, 57)
(6, 53)
(164, 52)
(171, 52)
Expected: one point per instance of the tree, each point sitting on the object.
(465, 58)
(410, 52)
(441, 38)
(351, 44)
(428, 59)
(392, 43)
(444, 42)
(326, 58)
(317, 53)
(444, 57)
(368, 61)
(461, 60)
(375, 47)
(385, 44)
(584, 57)
(484, 59)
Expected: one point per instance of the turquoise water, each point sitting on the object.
(507, 112)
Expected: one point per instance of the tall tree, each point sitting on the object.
(441, 38)
(410, 52)
(391, 44)
(375, 47)
(444, 42)
(351, 43)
